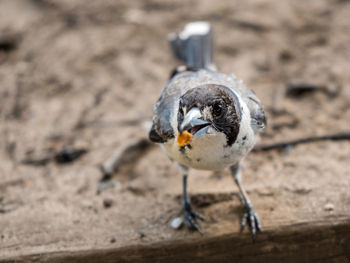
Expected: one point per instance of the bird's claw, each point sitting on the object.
(190, 216)
(250, 217)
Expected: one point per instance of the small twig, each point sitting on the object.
(40, 161)
(14, 182)
(281, 145)
(10, 206)
(69, 155)
(63, 156)
(97, 99)
(127, 153)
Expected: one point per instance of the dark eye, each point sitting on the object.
(217, 109)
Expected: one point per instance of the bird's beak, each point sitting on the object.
(192, 127)
(192, 119)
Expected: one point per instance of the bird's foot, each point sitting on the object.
(190, 216)
(250, 217)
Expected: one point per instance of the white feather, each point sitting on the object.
(210, 151)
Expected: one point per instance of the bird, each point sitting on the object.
(205, 119)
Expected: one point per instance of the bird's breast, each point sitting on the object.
(209, 152)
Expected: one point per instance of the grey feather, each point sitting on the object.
(257, 114)
(194, 45)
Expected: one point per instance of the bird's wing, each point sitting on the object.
(162, 128)
(257, 114)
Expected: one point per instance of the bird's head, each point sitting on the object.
(208, 108)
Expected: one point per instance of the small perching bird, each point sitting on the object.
(205, 119)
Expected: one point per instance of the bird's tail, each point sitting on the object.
(194, 45)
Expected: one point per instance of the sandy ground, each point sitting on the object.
(85, 74)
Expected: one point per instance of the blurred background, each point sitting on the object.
(78, 78)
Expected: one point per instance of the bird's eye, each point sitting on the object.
(217, 109)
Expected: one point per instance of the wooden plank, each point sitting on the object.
(309, 242)
(303, 217)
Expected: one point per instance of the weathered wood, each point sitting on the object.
(308, 242)
(304, 218)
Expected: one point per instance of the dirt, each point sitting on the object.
(85, 75)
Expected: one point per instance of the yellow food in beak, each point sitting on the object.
(184, 138)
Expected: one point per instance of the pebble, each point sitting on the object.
(141, 235)
(329, 207)
(176, 223)
(107, 203)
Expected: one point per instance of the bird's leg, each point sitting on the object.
(190, 214)
(249, 215)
